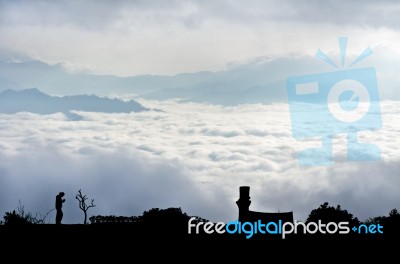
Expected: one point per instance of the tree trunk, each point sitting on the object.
(85, 217)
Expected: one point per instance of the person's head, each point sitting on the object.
(61, 194)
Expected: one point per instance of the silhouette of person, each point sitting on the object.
(59, 202)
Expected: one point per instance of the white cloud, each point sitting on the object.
(193, 156)
(169, 37)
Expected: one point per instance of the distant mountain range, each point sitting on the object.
(35, 101)
(261, 80)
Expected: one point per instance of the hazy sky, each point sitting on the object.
(167, 37)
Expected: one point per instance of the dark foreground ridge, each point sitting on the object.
(119, 233)
(164, 226)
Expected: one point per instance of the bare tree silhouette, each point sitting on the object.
(82, 204)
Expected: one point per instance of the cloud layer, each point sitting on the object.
(169, 37)
(193, 156)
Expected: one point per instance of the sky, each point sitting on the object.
(169, 37)
(190, 155)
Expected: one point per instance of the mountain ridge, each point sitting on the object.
(257, 81)
(35, 101)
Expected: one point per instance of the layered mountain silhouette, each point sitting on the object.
(258, 81)
(261, 80)
(34, 101)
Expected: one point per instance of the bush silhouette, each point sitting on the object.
(169, 215)
(172, 215)
(21, 217)
(14, 218)
(390, 223)
(112, 219)
(327, 213)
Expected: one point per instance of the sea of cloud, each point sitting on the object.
(192, 156)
